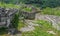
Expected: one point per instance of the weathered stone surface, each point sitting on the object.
(51, 32)
(27, 28)
(55, 20)
(28, 15)
(5, 15)
(30, 26)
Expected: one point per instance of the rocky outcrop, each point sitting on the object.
(28, 15)
(30, 26)
(55, 20)
(6, 15)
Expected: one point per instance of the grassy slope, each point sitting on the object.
(42, 30)
(39, 31)
(20, 25)
(21, 6)
(51, 11)
(8, 5)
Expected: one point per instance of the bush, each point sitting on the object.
(15, 21)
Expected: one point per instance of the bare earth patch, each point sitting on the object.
(27, 28)
(51, 32)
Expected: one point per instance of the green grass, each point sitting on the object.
(8, 5)
(27, 9)
(51, 11)
(21, 7)
(37, 32)
(45, 24)
(20, 25)
(42, 30)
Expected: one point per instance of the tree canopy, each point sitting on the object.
(41, 3)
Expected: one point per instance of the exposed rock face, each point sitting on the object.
(28, 15)
(51, 32)
(29, 27)
(55, 20)
(6, 16)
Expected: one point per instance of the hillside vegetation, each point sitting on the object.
(45, 7)
(51, 11)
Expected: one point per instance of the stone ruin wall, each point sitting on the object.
(6, 15)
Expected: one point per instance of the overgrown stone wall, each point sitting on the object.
(28, 15)
(6, 14)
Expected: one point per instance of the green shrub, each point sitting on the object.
(15, 21)
(27, 9)
(8, 5)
